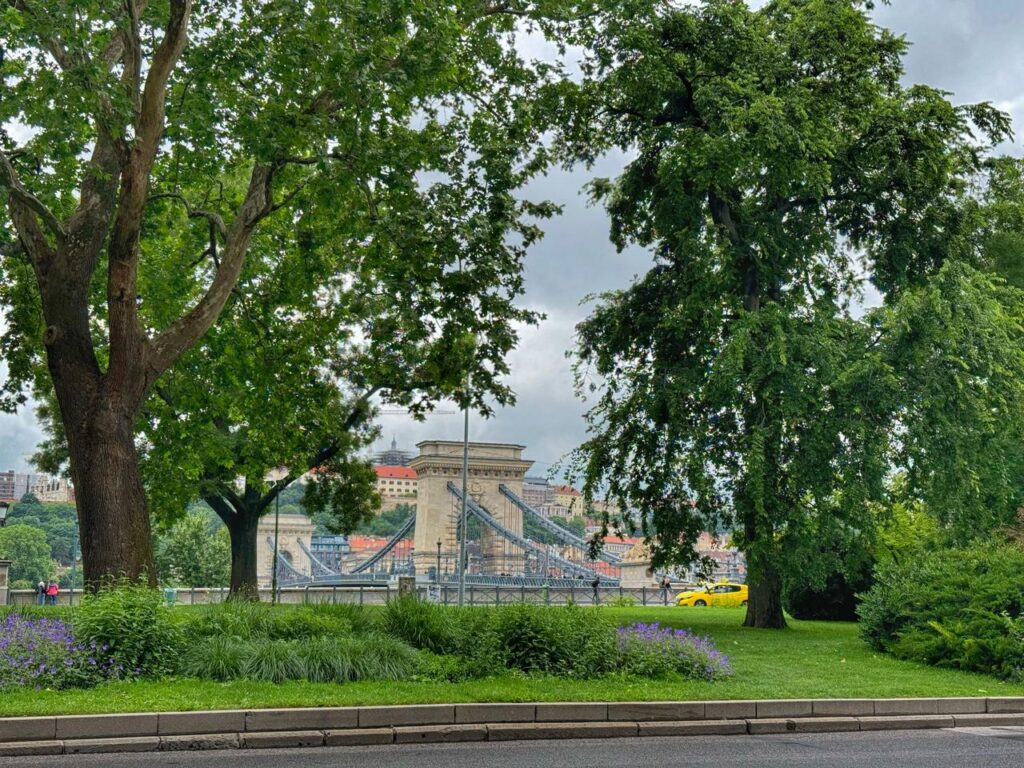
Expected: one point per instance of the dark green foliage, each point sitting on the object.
(58, 520)
(954, 608)
(833, 597)
(215, 658)
(273, 661)
(134, 625)
(385, 524)
(318, 659)
(835, 601)
(776, 161)
(558, 641)
(244, 620)
(532, 639)
(421, 624)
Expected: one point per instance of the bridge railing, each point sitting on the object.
(448, 594)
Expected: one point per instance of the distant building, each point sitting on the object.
(396, 485)
(569, 499)
(53, 489)
(393, 457)
(538, 492)
(14, 485)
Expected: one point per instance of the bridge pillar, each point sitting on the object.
(293, 532)
(437, 509)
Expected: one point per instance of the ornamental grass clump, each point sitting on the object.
(40, 652)
(650, 650)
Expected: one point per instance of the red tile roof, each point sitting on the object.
(403, 473)
(566, 489)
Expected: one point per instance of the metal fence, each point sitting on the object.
(476, 594)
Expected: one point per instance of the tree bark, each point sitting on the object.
(242, 521)
(113, 516)
(764, 606)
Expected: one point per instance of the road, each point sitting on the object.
(959, 748)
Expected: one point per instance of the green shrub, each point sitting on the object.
(532, 639)
(247, 620)
(433, 668)
(423, 625)
(835, 600)
(955, 608)
(304, 623)
(216, 658)
(237, 619)
(383, 658)
(571, 641)
(134, 625)
(274, 661)
(360, 618)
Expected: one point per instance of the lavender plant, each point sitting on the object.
(650, 650)
(39, 652)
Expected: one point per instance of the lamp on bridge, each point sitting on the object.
(4, 507)
(437, 575)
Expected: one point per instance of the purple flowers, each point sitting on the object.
(650, 650)
(43, 653)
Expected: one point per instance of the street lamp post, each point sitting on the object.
(277, 521)
(465, 496)
(437, 573)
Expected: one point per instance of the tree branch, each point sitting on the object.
(356, 416)
(21, 196)
(166, 348)
(194, 213)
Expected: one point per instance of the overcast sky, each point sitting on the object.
(968, 47)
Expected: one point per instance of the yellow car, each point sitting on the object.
(724, 594)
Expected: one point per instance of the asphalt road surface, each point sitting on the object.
(953, 748)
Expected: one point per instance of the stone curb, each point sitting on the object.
(507, 731)
(350, 719)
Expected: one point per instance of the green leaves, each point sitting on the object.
(778, 163)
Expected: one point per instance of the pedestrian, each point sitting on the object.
(41, 593)
(594, 585)
(51, 593)
(665, 586)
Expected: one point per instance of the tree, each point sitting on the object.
(196, 552)
(56, 520)
(777, 160)
(28, 551)
(184, 128)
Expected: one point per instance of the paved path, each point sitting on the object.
(961, 748)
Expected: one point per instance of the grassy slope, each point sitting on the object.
(810, 660)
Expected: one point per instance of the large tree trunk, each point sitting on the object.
(242, 521)
(764, 607)
(112, 513)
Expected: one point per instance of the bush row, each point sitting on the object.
(959, 608)
(129, 632)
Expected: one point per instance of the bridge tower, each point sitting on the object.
(437, 510)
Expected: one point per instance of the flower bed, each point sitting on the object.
(42, 653)
(651, 650)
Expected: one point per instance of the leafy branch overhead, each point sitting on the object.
(399, 132)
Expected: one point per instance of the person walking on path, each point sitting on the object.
(666, 585)
(594, 585)
(41, 593)
(51, 593)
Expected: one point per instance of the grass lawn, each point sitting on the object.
(809, 660)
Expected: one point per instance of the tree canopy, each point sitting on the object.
(778, 163)
(399, 129)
